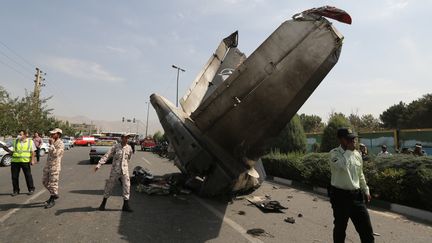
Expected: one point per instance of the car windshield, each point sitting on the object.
(105, 143)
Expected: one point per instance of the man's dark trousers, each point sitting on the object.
(350, 205)
(37, 154)
(15, 171)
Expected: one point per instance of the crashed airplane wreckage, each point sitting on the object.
(236, 105)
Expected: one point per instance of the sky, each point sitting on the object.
(104, 58)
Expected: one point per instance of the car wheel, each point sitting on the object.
(42, 152)
(6, 160)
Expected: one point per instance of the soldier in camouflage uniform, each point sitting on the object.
(51, 171)
(121, 154)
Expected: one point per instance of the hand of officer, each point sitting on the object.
(51, 141)
(368, 198)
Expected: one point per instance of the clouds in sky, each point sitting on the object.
(104, 47)
(83, 70)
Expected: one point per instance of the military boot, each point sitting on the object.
(50, 202)
(126, 207)
(102, 206)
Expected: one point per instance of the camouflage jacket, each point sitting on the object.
(55, 154)
(121, 156)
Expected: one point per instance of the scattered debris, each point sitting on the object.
(290, 220)
(268, 196)
(315, 199)
(376, 234)
(300, 215)
(241, 213)
(289, 196)
(276, 187)
(265, 205)
(258, 232)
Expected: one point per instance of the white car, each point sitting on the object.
(5, 157)
(44, 147)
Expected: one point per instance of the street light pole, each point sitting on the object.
(148, 107)
(178, 73)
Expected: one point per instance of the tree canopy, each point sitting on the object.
(27, 113)
(292, 138)
(329, 139)
(417, 114)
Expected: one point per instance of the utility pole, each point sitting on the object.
(148, 107)
(178, 73)
(37, 86)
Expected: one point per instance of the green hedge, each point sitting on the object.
(402, 179)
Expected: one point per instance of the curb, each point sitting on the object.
(393, 207)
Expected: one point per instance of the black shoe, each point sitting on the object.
(50, 203)
(14, 194)
(126, 207)
(55, 197)
(31, 192)
(102, 206)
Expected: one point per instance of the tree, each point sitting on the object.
(394, 116)
(158, 136)
(292, 138)
(369, 122)
(366, 122)
(311, 123)
(27, 113)
(417, 114)
(329, 138)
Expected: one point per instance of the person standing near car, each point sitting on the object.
(121, 154)
(23, 156)
(37, 140)
(51, 171)
(348, 188)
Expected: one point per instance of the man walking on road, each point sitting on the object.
(347, 190)
(23, 156)
(38, 143)
(51, 171)
(121, 154)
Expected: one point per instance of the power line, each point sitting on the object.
(18, 55)
(10, 58)
(16, 70)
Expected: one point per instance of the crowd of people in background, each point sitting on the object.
(416, 151)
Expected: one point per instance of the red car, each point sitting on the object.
(147, 144)
(84, 141)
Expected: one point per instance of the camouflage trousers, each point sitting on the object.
(125, 182)
(50, 179)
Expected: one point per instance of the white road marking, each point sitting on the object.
(10, 213)
(229, 221)
(145, 160)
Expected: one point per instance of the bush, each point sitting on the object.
(402, 179)
(329, 139)
(287, 166)
(316, 169)
(292, 138)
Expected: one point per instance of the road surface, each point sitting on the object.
(171, 219)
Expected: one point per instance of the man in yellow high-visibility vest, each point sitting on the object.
(23, 156)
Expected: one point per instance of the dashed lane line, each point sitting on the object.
(228, 221)
(11, 212)
(145, 160)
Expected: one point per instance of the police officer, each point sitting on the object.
(23, 156)
(121, 154)
(348, 188)
(51, 171)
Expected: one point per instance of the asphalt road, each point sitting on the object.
(171, 219)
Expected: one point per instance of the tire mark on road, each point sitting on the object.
(145, 160)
